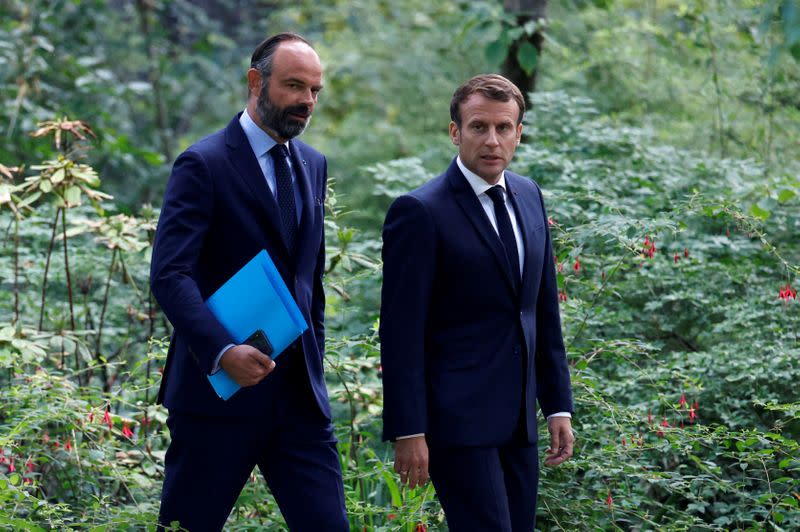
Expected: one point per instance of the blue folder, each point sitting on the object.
(255, 298)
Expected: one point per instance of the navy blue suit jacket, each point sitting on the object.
(218, 213)
(452, 326)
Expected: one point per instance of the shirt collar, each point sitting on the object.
(478, 184)
(258, 138)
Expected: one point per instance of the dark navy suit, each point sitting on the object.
(218, 213)
(465, 355)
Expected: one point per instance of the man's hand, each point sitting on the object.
(246, 364)
(561, 440)
(411, 460)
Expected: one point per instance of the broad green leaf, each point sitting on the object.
(758, 212)
(73, 195)
(496, 52)
(528, 57)
(58, 176)
(45, 186)
(786, 194)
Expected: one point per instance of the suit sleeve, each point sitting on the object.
(318, 296)
(552, 374)
(409, 262)
(185, 218)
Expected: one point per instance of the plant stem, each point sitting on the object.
(47, 266)
(718, 92)
(103, 315)
(16, 269)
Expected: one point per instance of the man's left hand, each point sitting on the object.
(561, 440)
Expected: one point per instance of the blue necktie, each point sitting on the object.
(285, 194)
(506, 231)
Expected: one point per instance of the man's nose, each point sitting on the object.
(309, 98)
(491, 138)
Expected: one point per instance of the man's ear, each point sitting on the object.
(254, 81)
(454, 133)
(519, 132)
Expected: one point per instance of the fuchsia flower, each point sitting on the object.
(90, 417)
(649, 417)
(560, 267)
(686, 252)
(420, 528)
(609, 500)
(107, 419)
(68, 446)
(624, 442)
(787, 293)
(550, 221)
(682, 401)
(11, 467)
(692, 415)
(29, 466)
(577, 265)
(562, 295)
(676, 258)
(126, 431)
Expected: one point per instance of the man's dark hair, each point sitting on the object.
(264, 53)
(493, 86)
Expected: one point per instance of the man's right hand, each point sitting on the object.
(246, 365)
(411, 460)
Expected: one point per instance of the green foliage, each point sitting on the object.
(667, 154)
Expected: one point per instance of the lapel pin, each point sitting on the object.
(304, 162)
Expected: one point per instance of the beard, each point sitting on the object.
(278, 119)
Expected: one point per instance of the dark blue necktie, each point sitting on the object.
(506, 231)
(285, 194)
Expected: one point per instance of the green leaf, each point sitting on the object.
(73, 195)
(496, 52)
(528, 57)
(758, 212)
(45, 185)
(14, 479)
(786, 194)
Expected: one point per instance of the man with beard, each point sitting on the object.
(248, 187)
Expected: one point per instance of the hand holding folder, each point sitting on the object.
(255, 307)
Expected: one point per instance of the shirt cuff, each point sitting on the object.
(410, 436)
(215, 368)
(559, 414)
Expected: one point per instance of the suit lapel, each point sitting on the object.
(243, 159)
(471, 205)
(528, 223)
(300, 166)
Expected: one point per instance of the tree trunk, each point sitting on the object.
(525, 11)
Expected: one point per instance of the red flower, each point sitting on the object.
(126, 431)
(652, 251)
(696, 405)
(649, 417)
(107, 419)
(624, 442)
(686, 252)
(676, 258)
(90, 418)
(56, 445)
(577, 265)
(682, 402)
(29, 465)
(560, 267)
(68, 446)
(692, 415)
(664, 423)
(562, 295)
(391, 517)
(609, 500)
(11, 467)
(602, 275)
(46, 437)
(646, 241)
(550, 220)
(420, 528)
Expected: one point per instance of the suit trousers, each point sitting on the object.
(210, 459)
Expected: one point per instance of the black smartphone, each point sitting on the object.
(260, 341)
